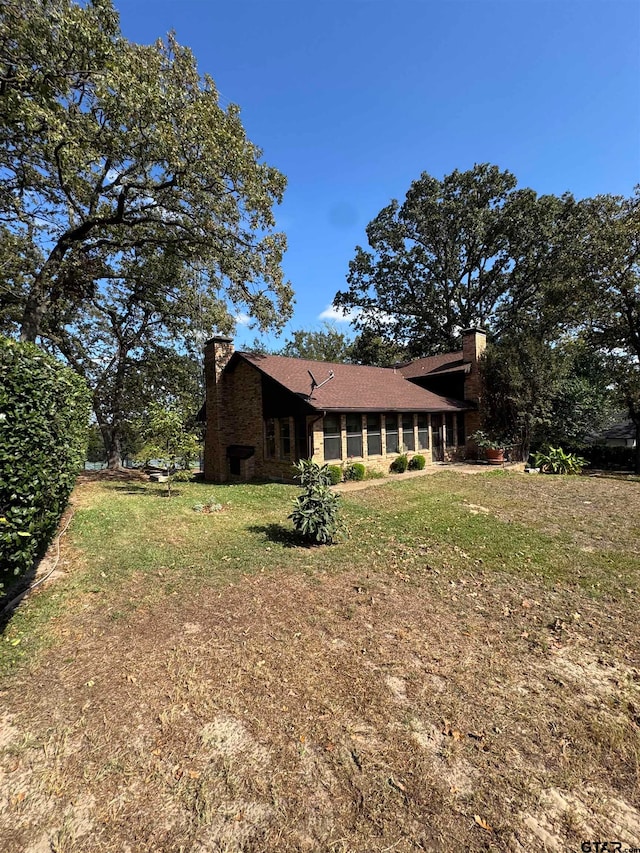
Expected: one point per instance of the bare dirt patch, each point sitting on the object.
(300, 714)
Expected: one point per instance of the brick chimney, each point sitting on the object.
(217, 353)
(474, 343)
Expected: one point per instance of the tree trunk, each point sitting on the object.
(34, 310)
(112, 445)
(637, 454)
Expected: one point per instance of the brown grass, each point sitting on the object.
(384, 708)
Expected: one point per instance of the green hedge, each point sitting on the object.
(44, 412)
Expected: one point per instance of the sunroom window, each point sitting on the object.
(391, 424)
(423, 432)
(354, 435)
(332, 438)
(374, 436)
(408, 438)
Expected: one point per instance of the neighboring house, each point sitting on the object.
(264, 412)
(621, 434)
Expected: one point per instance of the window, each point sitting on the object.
(423, 432)
(448, 422)
(332, 437)
(354, 435)
(270, 438)
(391, 424)
(285, 438)
(408, 439)
(462, 436)
(374, 437)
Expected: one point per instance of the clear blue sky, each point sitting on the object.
(353, 99)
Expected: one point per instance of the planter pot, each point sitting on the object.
(494, 457)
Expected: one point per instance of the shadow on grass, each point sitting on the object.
(279, 534)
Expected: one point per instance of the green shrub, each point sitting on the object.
(183, 476)
(358, 471)
(417, 462)
(556, 461)
(400, 464)
(335, 474)
(43, 436)
(315, 511)
(372, 474)
(354, 471)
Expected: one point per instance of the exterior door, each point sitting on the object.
(436, 438)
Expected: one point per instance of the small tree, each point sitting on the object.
(315, 512)
(169, 440)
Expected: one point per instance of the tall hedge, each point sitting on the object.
(44, 412)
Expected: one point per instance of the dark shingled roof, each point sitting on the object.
(433, 365)
(354, 388)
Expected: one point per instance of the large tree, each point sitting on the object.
(137, 340)
(456, 253)
(107, 147)
(610, 305)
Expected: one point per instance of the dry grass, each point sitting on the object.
(438, 682)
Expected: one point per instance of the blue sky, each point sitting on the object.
(353, 99)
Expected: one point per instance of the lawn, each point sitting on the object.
(461, 672)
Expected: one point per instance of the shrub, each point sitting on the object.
(400, 464)
(358, 471)
(43, 437)
(354, 471)
(315, 511)
(335, 474)
(556, 461)
(417, 462)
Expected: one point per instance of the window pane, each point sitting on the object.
(354, 435)
(462, 436)
(374, 439)
(423, 432)
(391, 424)
(408, 439)
(449, 429)
(270, 438)
(285, 438)
(332, 438)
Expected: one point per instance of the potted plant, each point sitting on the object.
(493, 448)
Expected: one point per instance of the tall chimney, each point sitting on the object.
(217, 353)
(474, 343)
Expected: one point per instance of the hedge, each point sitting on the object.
(44, 413)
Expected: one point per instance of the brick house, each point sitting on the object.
(264, 412)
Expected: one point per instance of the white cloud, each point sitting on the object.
(338, 315)
(242, 319)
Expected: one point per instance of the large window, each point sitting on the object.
(332, 438)
(354, 435)
(423, 432)
(448, 423)
(408, 438)
(270, 438)
(391, 425)
(462, 436)
(285, 438)
(374, 437)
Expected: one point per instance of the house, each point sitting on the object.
(264, 412)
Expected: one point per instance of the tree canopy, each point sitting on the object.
(107, 147)
(458, 252)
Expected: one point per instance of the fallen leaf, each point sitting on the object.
(476, 735)
(447, 730)
(194, 774)
(482, 823)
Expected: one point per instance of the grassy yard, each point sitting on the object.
(462, 672)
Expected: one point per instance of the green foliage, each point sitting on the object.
(169, 440)
(43, 438)
(328, 344)
(354, 471)
(335, 474)
(482, 440)
(399, 464)
(417, 462)
(108, 147)
(451, 255)
(556, 461)
(315, 513)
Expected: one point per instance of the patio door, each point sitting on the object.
(437, 442)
